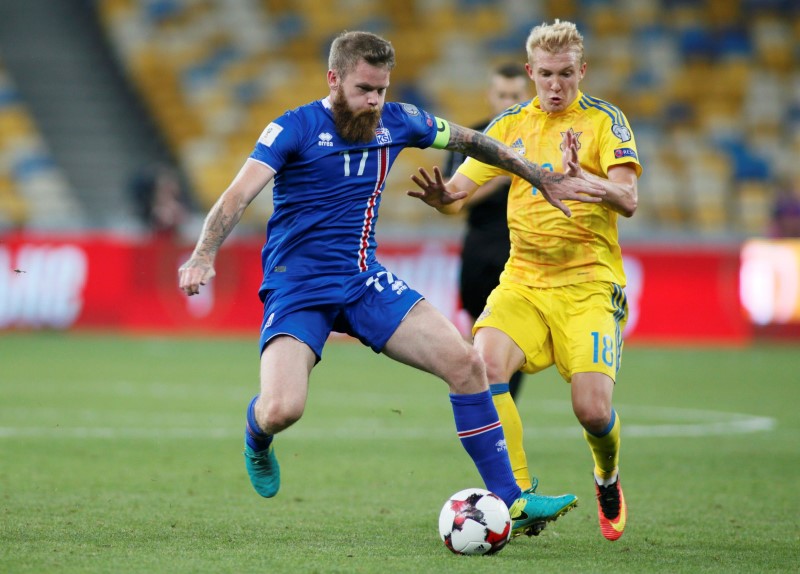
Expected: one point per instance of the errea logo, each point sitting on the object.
(325, 139)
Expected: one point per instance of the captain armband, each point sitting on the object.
(442, 134)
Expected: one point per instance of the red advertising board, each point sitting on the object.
(683, 295)
(105, 282)
(101, 281)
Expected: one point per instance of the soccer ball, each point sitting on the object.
(474, 521)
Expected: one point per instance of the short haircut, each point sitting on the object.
(555, 38)
(348, 48)
(510, 70)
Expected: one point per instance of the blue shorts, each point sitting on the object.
(368, 306)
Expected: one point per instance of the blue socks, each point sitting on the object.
(479, 430)
(481, 433)
(254, 437)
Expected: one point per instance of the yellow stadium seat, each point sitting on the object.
(15, 122)
(433, 41)
(753, 202)
(13, 208)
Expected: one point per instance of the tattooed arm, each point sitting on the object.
(219, 223)
(449, 198)
(488, 150)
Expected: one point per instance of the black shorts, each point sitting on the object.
(481, 266)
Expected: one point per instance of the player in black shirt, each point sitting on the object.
(486, 243)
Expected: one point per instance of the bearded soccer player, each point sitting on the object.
(329, 159)
(560, 299)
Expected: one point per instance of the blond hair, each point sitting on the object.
(555, 38)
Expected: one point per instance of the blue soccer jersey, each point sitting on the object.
(327, 191)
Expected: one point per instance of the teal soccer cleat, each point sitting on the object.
(531, 512)
(264, 470)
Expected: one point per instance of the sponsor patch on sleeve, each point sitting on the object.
(411, 110)
(624, 152)
(269, 134)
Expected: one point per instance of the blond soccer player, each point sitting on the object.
(560, 300)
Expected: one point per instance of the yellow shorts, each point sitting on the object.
(576, 327)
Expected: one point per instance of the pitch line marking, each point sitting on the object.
(678, 422)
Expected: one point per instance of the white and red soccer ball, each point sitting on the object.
(474, 521)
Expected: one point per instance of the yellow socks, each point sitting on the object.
(512, 428)
(605, 448)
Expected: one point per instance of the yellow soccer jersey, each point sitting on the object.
(549, 249)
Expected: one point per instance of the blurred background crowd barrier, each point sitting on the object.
(110, 282)
(121, 121)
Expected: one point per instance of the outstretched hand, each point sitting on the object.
(434, 192)
(558, 187)
(573, 184)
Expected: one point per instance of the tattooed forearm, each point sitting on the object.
(483, 148)
(220, 221)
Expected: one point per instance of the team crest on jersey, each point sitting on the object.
(623, 133)
(325, 139)
(269, 134)
(383, 135)
(577, 139)
(518, 146)
(410, 109)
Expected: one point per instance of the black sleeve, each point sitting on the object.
(454, 159)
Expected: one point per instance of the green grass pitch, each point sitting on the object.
(122, 454)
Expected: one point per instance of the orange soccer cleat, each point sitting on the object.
(611, 509)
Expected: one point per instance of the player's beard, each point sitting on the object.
(354, 127)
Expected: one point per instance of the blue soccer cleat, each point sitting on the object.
(531, 512)
(264, 470)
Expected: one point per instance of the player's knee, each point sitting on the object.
(593, 417)
(277, 416)
(495, 371)
(468, 374)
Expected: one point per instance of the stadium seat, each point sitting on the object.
(33, 192)
(213, 73)
(753, 202)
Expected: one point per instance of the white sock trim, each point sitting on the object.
(606, 481)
